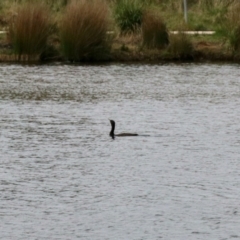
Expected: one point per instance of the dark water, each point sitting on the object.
(63, 177)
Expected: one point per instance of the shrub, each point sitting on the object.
(180, 47)
(234, 39)
(229, 28)
(84, 30)
(29, 30)
(128, 15)
(154, 30)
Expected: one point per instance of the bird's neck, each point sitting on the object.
(112, 131)
(112, 135)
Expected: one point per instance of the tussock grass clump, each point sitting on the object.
(154, 30)
(234, 40)
(128, 15)
(231, 28)
(180, 47)
(29, 31)
(84, 31)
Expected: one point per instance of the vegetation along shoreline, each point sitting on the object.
(119, 30)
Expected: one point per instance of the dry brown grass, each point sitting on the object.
(180, 47)
(154, 30)
(84, 30)
(29, 31)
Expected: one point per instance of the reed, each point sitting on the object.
(83, 31)
(29, 31)
(154, 30)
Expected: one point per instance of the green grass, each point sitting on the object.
(128, 15)
(228, 28)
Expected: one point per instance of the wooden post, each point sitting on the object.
(185, 10)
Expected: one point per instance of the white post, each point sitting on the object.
(185, 10)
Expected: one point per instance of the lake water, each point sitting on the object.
(63, 177)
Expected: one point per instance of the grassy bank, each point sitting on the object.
(118, 30)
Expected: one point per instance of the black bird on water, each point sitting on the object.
(112, 135)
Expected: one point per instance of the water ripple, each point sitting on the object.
(63, 177)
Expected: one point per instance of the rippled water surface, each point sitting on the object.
(63, 177)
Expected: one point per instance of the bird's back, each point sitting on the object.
(126, 134)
